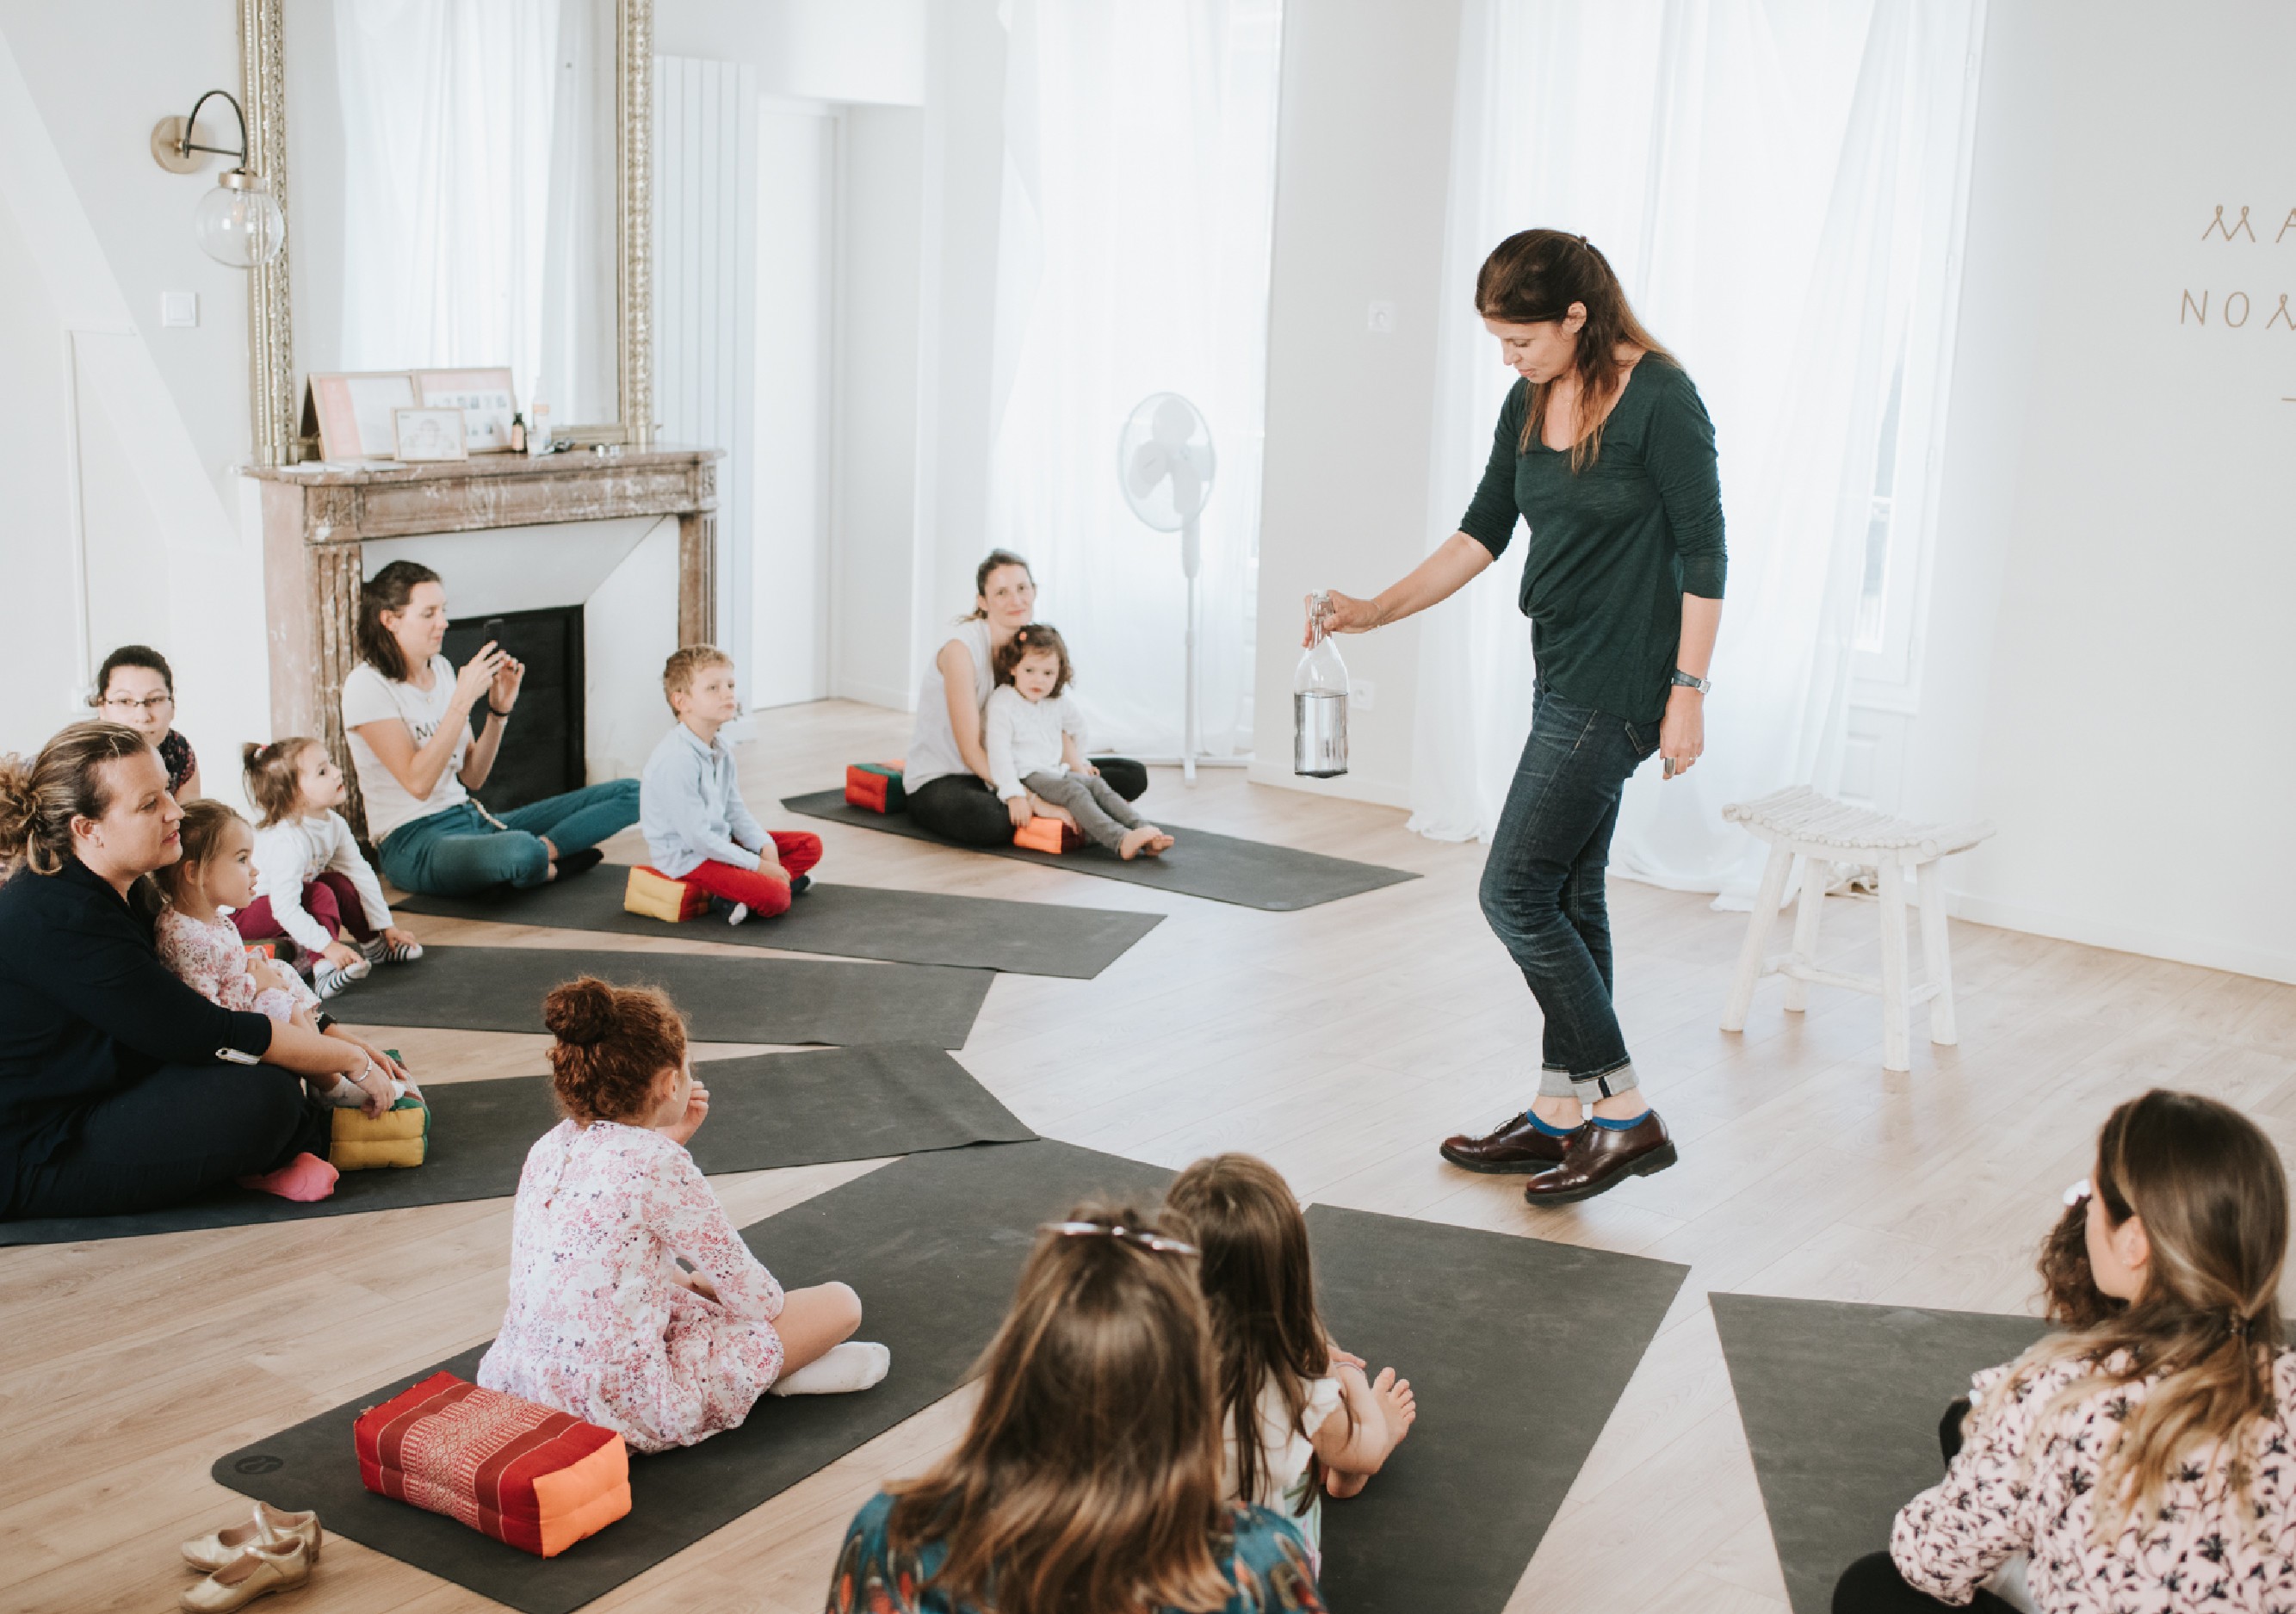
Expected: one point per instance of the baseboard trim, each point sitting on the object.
(2176, 946)
(1348, 787)
(870, 694)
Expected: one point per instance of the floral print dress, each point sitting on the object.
(598, 1324)
(1265, 1559)
(210, 957)
(2021, 1484)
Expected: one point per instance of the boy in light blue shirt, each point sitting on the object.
(690, 807)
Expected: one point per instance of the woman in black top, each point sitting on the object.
(121, 1089)
(1606, 450)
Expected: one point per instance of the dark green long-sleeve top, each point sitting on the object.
(1612, 549)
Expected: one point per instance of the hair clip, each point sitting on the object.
(1161, 1245)
(2075, 1194)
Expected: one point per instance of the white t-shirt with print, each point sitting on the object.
(1285, 1453)
(369, 697)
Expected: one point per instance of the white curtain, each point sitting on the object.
(1140, 143)
(476, 151)
(1778, 183)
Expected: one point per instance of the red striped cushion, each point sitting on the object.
(526, 1474)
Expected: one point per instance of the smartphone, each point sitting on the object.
(491, 632)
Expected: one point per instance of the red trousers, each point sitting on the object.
(767, 895)
(330, 899)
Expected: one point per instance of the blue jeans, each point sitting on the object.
(456, 851)
(1543, 886)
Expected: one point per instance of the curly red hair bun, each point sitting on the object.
(612, 1042)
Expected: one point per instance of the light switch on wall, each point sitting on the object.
(179, 308)
(1380, 320)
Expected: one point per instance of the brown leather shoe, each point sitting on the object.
(1600, 1157)
(1517, 1146)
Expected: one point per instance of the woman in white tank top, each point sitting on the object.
(945, 773)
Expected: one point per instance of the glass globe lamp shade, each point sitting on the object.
(238, 224)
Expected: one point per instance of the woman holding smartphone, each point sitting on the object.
(407, 713)
(1605, 449)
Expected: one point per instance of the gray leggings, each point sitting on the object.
(1091, 801)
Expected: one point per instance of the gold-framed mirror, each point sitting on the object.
(398, 256)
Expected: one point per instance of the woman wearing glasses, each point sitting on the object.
(137, 687)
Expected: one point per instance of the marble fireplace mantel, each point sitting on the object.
(316, 518)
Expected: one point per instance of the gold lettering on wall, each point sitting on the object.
(2199, 310)
(2229, 319)
(2217, 225)
(2280, 316)
(2287, 224)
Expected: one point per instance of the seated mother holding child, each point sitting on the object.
(948, 778)
(2145, 1458)
(407, 714)
(123, 1088)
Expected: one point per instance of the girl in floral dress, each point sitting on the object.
(2140, 1461)
(603, 1322)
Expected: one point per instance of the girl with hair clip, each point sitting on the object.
(2140, 1459)
(1036, 748)
(605, 1322)
(1318, 1423)
(1089, 1478)
(311, 883)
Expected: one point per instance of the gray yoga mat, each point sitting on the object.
(850, 922)
(1840, 1404)
(1478, 1321)
(765, 1109)
(723, 1000)
(934, 1243)
(1250, 874)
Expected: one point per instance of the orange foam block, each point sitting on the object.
(1048, 835)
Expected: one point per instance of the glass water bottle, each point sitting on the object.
(1319, 702)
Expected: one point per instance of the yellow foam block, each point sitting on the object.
(399, 1136)
(656, 896)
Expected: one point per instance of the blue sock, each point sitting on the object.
(1631, 1122)
(1539, 1124)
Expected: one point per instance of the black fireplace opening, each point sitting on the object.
(541, 750)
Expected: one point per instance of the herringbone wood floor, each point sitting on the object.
(1340, 1043)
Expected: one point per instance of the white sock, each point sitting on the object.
(855, 1364)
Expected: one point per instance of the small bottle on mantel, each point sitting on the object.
(537, 424)
(517, 432)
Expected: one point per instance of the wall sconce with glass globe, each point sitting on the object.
(238, 224)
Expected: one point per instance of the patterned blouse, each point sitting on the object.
(598, 1324)
(1267, 1564)
(208, 956)
(181, 761)
(2021, 1486)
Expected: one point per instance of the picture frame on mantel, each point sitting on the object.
(485, 396)
(428, 436)
(353, 415)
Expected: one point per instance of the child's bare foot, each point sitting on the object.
(1397, 1401)
(1343, 1485)
(1146, 842)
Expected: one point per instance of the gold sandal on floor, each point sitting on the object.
(261, 1569)
(269, 1527)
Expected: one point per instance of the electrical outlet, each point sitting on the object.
(179, 308)
(1363, 694)
(1380, 319)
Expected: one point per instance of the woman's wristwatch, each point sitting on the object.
(1692, 681)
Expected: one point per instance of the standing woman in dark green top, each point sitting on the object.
(1605, 449)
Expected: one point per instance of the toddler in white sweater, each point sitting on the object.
(1035, 738)
(311, 883)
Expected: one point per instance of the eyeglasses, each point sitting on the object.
(151, 707)
(1131, 1235)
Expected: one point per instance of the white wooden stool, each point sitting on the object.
(1799, 822)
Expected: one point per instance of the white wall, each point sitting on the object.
(1363, 157)
(875, 482)
(2110, 641)
(95, 231)
(859, 51)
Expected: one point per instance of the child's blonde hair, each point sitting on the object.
(200, 834)
(683, 666)
(273, 775)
